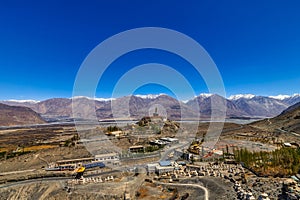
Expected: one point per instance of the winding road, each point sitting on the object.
(284, 131)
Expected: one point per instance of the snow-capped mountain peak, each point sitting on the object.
(104, 99)
(95, 98)
(149, 96)
(280, 97)
(283, 97)
(205, 95)
(185, 101)
(240, 96)
(24, 101)
(80, 97)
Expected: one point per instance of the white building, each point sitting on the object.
(170, 140)
(151, 168)
(286, 144)
(161, 167)
(164, 169)
(109, 158)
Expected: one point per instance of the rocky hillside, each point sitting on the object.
(165, 127)
(287, 121)
(17, 115)
(259, 106)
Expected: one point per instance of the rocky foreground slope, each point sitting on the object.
(287, 121)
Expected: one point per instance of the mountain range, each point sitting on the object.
(137, 106)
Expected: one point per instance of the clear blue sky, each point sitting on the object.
(255, 44)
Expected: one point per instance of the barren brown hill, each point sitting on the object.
(18, 115)
(287, 121)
